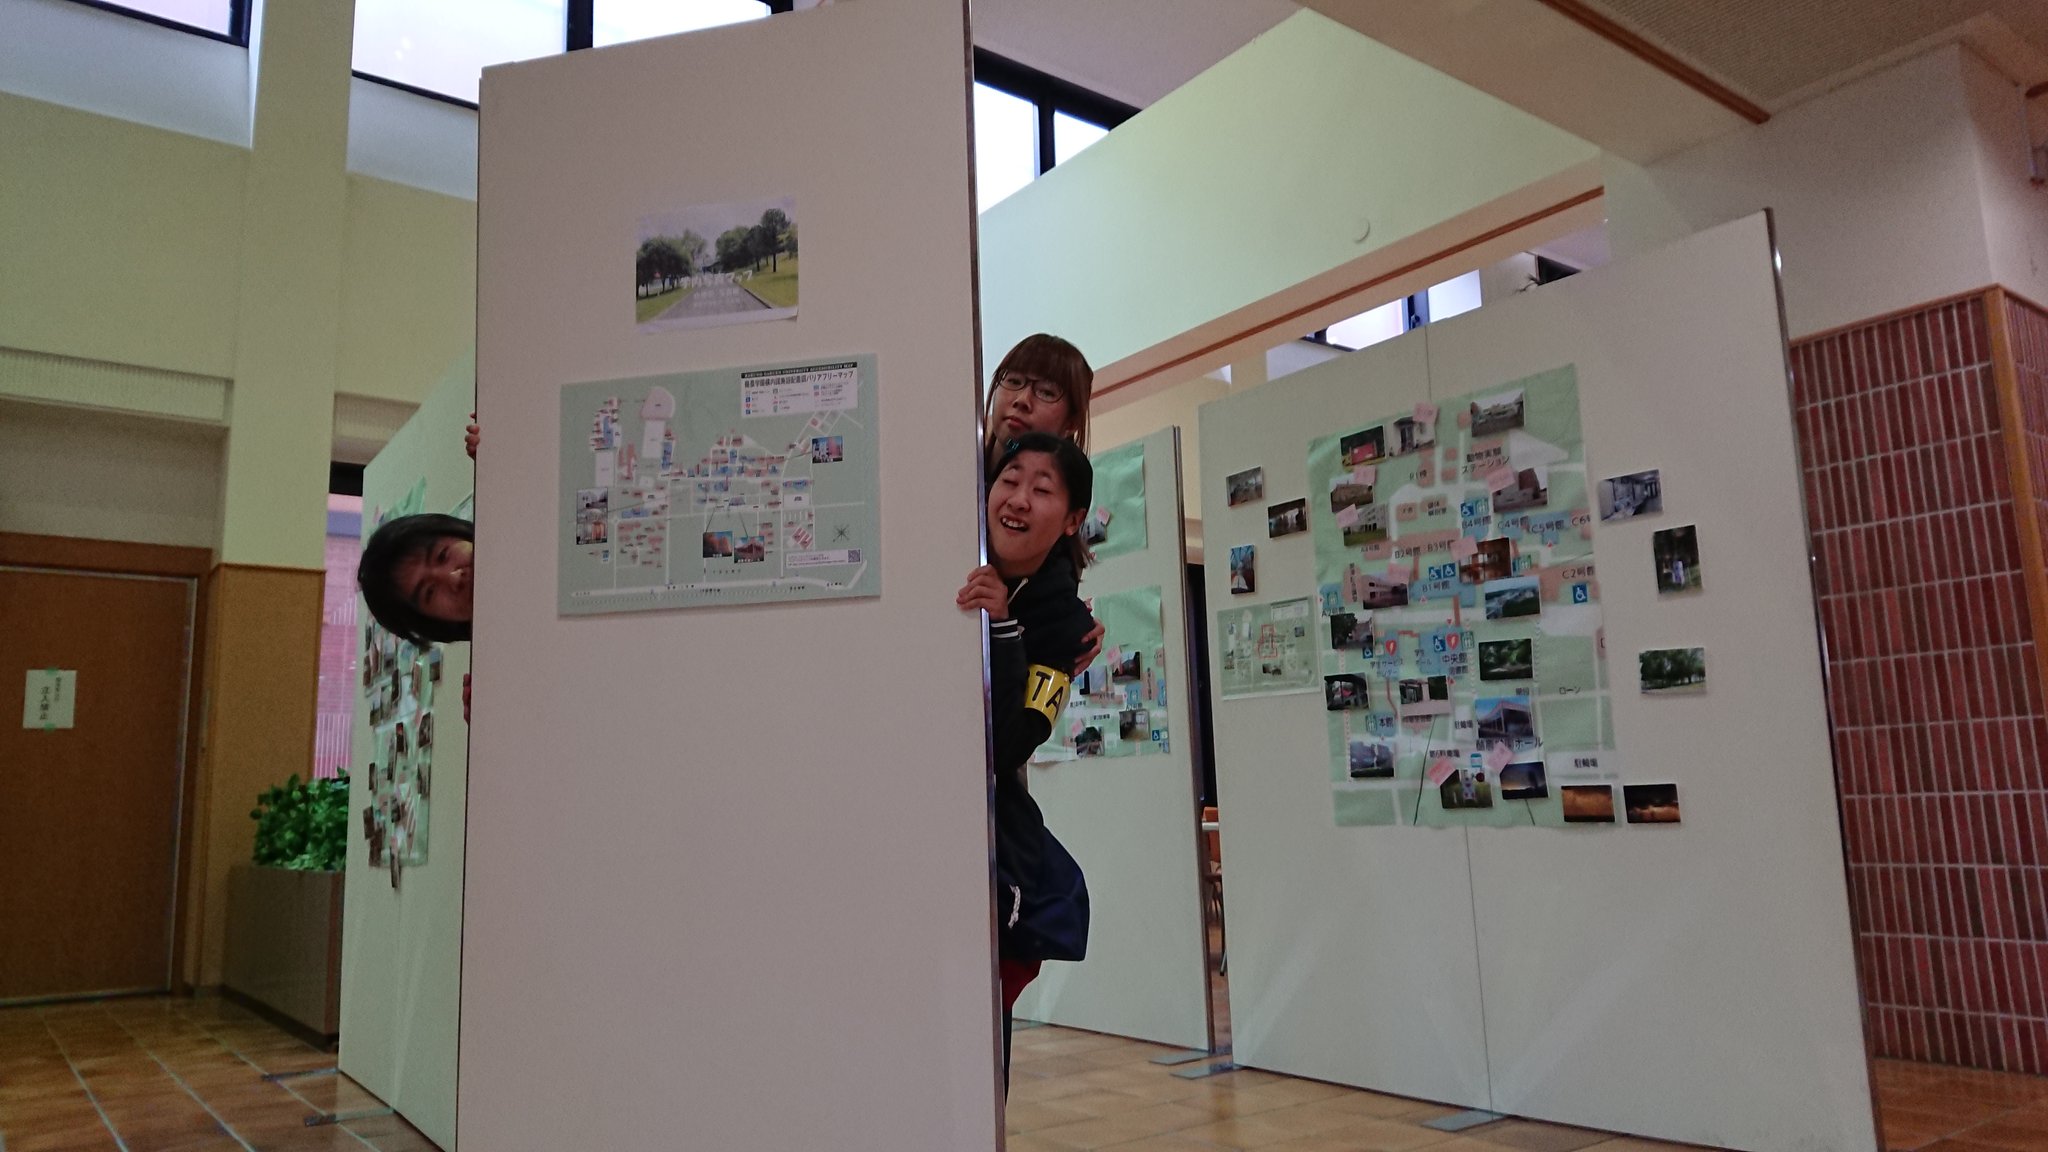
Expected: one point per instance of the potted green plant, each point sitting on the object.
(284, 908)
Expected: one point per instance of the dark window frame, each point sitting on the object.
(579, 31)
(1049, 94)
(238, 20)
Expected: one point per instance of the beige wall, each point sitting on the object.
(108, 476)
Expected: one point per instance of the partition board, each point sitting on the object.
(401, 944)
(1693, 982)
(1351, 954)
(725, 889)
(1132, 823)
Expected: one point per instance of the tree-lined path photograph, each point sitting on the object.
(716, 264)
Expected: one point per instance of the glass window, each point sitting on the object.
(334, 718)
(618, 21)
(1382, 323)
(1005, 144)
(216, 16)
(1071, 134)
(444, 45)
(1453, 296)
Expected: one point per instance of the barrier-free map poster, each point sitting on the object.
(1268, 649)
(1118, 707)
(733, 486)
(1464, 663)
(1116, 518)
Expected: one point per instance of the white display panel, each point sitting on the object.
(724, 891)
(1692, 982)
(1351, 956)
(1717, 954)
(1132, 823)
(401, 943)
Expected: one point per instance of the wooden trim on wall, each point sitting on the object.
(1407, 269)
(1633, 43)
(121, 557)
(84, 555)
(2012, 417)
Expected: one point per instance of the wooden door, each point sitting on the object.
(89, 814)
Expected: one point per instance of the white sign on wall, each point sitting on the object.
(50, 699)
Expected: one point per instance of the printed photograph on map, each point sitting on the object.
(1348, 632)
(751, 550)
(592, 503)
(1095, 529)
(1509, 599)
(1244, 569)
(1245, 487)
(1429, 696)
(1371, 760)
(828, 449)
(1466, 788)
(1524, 780)
(1363, 447)
(1507, 659)
(591, 532)
(1124, 667)
(1347, 493)
(1287, 519)
(1673, 670)
(1650, 803)
(1089, 742)
(1636, 494)
(1134, 724)
(711, 264)
(718, 546)
(1493, 415)
(1506, 720)
(1494, 560)
(1677, 552)
(1588, 804)
(1343, 693)
(1367, 525)
(1530, 488)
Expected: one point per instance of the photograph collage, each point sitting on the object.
(1464, 671)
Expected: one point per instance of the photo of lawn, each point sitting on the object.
(711, 264)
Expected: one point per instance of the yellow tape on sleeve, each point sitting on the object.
(1045, 691)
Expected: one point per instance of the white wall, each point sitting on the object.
(2015, 210)
(1877, 188)
(1304, 163)
(67, 471)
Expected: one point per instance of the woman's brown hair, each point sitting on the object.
(1048, 358)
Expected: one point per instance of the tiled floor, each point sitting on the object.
(176, 1075)
(172, 1075)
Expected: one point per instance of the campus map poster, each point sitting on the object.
(1118, 706)
(1268, 649)
(1464, 669)
(733, 486)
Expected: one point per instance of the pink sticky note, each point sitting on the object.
(1425, 412)
(1347, 516)
(1499, 477)
(1497, 757)
(1364, 474)
(1464, 548)
(1441, 769)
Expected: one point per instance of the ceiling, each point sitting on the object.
(1778, 52)
(1134, 51)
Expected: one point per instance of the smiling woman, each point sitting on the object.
(416, 577)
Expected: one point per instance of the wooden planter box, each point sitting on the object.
(284, 944)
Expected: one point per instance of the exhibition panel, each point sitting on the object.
(1117, 781)
(709, 858)
(1645, 865)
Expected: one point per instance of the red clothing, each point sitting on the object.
(1017, 976)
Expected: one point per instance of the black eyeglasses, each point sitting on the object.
(1045, 390)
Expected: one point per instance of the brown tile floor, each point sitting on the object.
(176, 1075)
